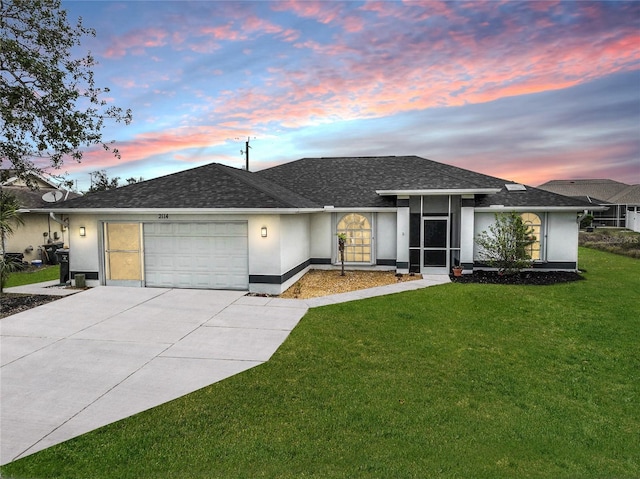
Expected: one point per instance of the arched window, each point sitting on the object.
(534, 222)
(357, 228)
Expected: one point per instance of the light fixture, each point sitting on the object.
(263, 231)
(83, 231)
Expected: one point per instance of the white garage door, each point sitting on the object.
(196, 255)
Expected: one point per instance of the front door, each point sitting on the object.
(435, 245)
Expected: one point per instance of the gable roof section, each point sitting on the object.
(209, 186)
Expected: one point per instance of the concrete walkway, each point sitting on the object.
(98, 356)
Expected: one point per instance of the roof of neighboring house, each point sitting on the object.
(209, 186)
(629, 196)
(11, 178)
(347, 182)
(608, 191)
(32, 199)
(29, 198)
(29, 191)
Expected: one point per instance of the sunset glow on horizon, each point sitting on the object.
(527, 91)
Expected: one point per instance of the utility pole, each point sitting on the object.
(246, 153)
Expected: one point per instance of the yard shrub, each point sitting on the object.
(506, 243)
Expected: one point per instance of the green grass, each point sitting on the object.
(33, 275)
(460, 380)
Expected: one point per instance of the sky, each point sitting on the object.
(526, 91)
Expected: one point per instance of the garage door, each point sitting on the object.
(196, 255)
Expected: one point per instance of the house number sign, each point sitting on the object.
(163, 216)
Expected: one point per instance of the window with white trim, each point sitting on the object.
(534, 222)
(357, 228)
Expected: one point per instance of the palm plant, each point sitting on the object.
(10, 217)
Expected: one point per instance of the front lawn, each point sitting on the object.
(33, 275)
(460, 380)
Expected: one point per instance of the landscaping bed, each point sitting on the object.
(612, 240)
(15, 303)
(524, 277)
(325, 282)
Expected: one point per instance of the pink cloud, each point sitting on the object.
(535, 167)
(333, 13)
(389, 58)
(223, 32)
(136, 42)
(169, 142)
(323, 12)
(382, 72)
(127, 83)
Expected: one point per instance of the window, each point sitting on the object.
(534, 222)
(357, 228)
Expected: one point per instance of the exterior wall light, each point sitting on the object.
(83, 231)
(263, 231)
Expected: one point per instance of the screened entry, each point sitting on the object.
(357, 229)
(434, 233)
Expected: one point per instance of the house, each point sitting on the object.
(619, 198)
(40, 235)
(223, 228)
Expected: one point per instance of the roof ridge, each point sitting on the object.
(248, 178)
(466, 171)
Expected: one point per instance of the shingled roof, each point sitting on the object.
(32, 199)
(353, 182)
(531, 197)
(629, 196)
(607, 191)
(311, 183)
(209, 186)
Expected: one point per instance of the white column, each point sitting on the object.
(467, 217)
(402, 238)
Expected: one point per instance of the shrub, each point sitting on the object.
(506, 243)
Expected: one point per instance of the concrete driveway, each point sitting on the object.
(95, 357)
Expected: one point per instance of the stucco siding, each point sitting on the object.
(560, 242)
(84, 251)
(320, 235)
(29, 237)
(482, 221)
(264, 253)
(562, 237)
(294, 248)
(386, 236)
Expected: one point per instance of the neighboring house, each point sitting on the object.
(40, 235)
(219, 227)
(620, 198)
